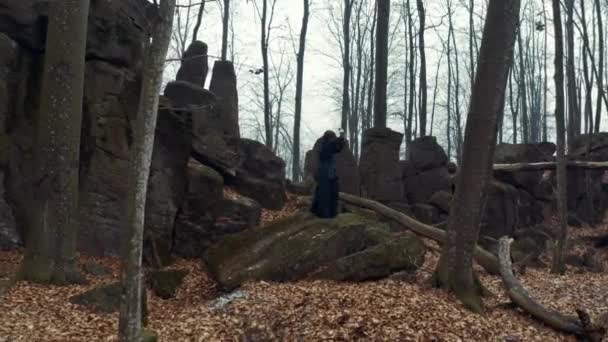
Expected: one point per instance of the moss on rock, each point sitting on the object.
(348, 247)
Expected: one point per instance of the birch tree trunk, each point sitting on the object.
(141, 157)
(455, 268)
(50, 255)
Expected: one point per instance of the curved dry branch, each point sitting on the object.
(486, 259)
(522, 298)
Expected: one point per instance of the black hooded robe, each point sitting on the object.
(325, 200)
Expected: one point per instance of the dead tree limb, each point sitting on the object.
(549, 166)
(522, 298)
(486, 259)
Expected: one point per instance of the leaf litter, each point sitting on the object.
(400, 308)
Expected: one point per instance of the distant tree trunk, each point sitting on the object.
(514, 106)
(299, 87)
(372, 64)
(471, 42)
(570, 73)
(412, 74)
(456, 97)
(522, 91)
(588, 79)
(455, 268)
(381, 62)
(562, 206)
(348, 6)
(50, 255)
(225, 22)
(600, 76)
(199, 20)
(436, 90)
(423, 85)
(141, 156)
(545, 78)
(264, 48)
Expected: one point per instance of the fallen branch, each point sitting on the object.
(522, 298)
(486, 259)
(549, 166)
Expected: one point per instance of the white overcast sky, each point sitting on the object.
(320, 112)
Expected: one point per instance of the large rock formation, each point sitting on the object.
(190, 121)
(223, 85)
(260, 174)
(587, 190)
(379, 165)
(426, 176)
(195, 65)
(530, 181)
(347, 248)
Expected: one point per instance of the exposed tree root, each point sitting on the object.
(486, 259)
(582, 327)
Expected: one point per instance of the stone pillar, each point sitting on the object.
(223, 85)
(194, 66)
(379, 165)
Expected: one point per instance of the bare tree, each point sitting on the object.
(573, 116)
(455, 268)
(50, 255)
(225, 23)
(423, 85)
(141, 157)
(266, 19)
(562, 206)
(299, 86)
(199, 20)
(383, 13)
(348, 8)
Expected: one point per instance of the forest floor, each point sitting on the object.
(401, 308)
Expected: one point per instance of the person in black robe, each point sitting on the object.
(325, 200)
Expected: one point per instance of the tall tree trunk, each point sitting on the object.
(562, 206)
(522, 91)
(141, 156)
(514, 106)
(573, 116)
(50, 255)
(412, 74)
(299, 87)
(600, 76)
(423, 85)
(381, 62)
(545, 78)
(348, 6)
(225, 22)
(471, 42)
(455, 268)
(264, 48)
(588, 79)
(199, 20)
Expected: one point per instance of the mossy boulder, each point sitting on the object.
(350, 247)
(106, 299)
(165, 283)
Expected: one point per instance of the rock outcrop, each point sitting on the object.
(379, 165)
(223, 85)
(192, 121)
(347, 248)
